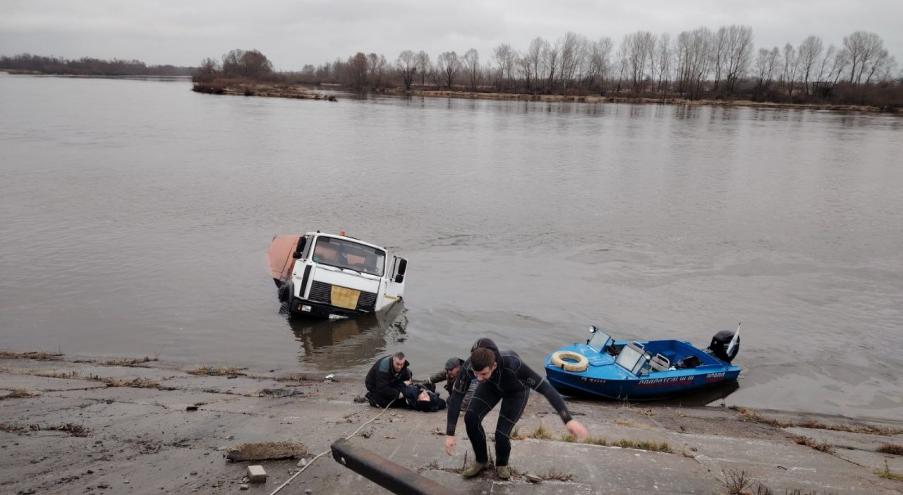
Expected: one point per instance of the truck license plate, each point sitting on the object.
(343, 297)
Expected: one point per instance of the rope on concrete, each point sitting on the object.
(321, 454)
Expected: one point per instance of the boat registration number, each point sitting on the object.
(343, 297)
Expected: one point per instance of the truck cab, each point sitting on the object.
(330, 275)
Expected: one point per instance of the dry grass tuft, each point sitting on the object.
(644, 445)
(18, 393)
(56, 374)
(126, 382)
(851, 428)
(891, 448)
(208, 371)
(70, 428)
(755, 417)
(130, 362)
(554, 474)
(515, 434)
(541, 433)
(37, 356)
(888, 474)
(812, 443)
(596, 441)
(736, 482)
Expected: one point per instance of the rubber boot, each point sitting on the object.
(474, 470)
(503, 472)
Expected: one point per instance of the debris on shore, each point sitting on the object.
(266, 451)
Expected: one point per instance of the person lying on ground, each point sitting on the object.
(501, 376)
(419, 398)
(387, 379)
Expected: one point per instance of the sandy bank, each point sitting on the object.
(272, 90)
(145, 426)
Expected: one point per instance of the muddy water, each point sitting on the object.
(134, 216)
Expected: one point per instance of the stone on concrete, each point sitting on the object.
(256, 474)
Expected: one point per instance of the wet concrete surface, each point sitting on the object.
(74, 430)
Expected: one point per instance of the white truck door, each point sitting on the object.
(396, 279)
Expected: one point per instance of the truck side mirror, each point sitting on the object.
(399, 278)
(402, 266)
(300, 249)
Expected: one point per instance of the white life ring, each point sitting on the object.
(558, 359)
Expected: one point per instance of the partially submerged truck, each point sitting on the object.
(334, 275)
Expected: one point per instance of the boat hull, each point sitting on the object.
(606, 379)
(645, 388)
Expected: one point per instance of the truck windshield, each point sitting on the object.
(351, 255)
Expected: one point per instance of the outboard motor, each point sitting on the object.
(720, 344)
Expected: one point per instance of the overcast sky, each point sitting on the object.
(297, 32)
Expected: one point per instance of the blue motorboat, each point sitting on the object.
(641, 370)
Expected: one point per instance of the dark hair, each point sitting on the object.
(399, 355)
(481, 358)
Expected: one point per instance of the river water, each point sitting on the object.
(134, 217)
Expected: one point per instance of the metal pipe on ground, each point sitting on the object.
(383, 472)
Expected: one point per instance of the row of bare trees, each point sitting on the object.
(700, 63)
(88, 66)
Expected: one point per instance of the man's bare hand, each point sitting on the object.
(450, 445)
(577, 429)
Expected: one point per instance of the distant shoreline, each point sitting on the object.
(300, 91)
(18, 72)
(307, 92)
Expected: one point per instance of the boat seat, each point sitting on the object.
(659, 363)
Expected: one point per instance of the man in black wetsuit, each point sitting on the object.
(502, 376)
(387, 379)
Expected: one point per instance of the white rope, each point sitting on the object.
(321, 454)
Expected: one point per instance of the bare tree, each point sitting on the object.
(766, 64)
(789, 73)
(472, 67)
(424, 66)
(570, 58)
(718, 54)
(861, 48)
(207, 71)
(357, 71)
(533, 60)
(505, 60)
(809, 53)
(663, 61)
(376, 69)
(549, 56)
(881, 67)
(738, 54)
(448, 67)
(599, 63)
(639, 48)
(693, 58)
(251, 64)
(407, 67)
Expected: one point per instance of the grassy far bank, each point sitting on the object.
(86, 66)
(246, 87)
(701, 66)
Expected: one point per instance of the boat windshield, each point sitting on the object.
(342, 253)
(632, 358)
(599, 341)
